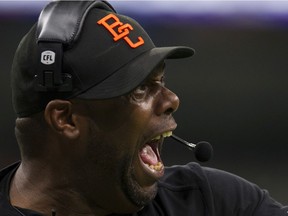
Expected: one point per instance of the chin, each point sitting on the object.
(138, 195)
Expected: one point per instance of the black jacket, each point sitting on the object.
(189, 190)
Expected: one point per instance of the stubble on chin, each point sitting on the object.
(133, 191)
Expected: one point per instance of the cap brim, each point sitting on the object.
(134, 73)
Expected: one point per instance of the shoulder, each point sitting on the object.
(218, 181)
(10, 168)
(5, 177)
(195, 175)
(217, 191)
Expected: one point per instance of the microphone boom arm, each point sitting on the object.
(191, 146)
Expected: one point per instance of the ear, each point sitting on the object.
(60, 117)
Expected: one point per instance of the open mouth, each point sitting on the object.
(150, 156)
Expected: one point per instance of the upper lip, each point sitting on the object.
(160, 134)
(164, 134)
(170, 127)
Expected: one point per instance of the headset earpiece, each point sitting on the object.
(59, 26)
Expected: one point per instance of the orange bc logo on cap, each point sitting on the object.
(122, 31)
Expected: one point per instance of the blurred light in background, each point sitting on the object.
(265, 10)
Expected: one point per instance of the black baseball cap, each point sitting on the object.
(83, 49)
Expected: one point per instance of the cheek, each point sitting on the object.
(105, 149)
(115, 134)
(108, 116)
(143, 111)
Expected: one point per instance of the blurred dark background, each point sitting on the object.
(233, 92)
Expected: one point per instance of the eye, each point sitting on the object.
(149, 87)
(140, 92)
(162, 80)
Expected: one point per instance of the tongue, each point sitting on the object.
(148, 156)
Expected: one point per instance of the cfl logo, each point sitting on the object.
(48, 57)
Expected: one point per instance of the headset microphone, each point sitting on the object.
(203, 150)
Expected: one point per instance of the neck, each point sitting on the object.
(37, 190)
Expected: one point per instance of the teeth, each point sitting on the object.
(165, 134)
(157, 137)
(157, 167)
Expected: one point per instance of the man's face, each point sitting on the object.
(121, 160)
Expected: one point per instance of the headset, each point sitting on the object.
(59, 26)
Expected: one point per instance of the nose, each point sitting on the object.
(168, 102)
